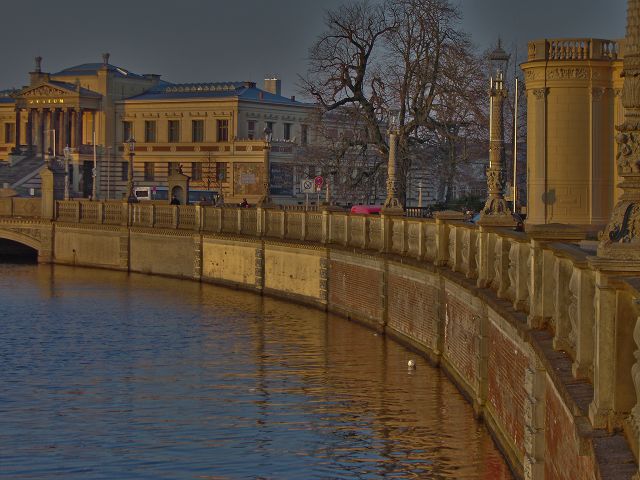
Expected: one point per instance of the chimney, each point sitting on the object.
(272, 85)
(105, 59)
(293, 98)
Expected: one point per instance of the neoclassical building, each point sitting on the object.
(214, 131)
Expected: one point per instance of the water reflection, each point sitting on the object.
(108, 375)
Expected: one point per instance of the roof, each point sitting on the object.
(85, 92)
(241, 90)
(92, 69)
(5, 95)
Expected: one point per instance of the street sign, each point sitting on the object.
(307, 186)
(318, 181)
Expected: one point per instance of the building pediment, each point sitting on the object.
(45, 91)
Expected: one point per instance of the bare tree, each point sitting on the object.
(380, 59)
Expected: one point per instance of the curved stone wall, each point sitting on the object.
(510, 317)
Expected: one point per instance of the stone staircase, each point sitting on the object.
(23, 175)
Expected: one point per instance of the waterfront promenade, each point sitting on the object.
(532, 329)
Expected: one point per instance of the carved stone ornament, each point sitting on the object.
(539, 93)
(568, 74)
(44, 91)
(635, 375)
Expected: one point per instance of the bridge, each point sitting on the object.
(539, 333)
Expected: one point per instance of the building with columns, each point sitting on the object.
(214, 131)
(573, 106)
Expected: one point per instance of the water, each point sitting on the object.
(106, 375)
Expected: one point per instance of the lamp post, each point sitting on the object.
(392, 205)
(94, 189)
(67, 155)
(495, 209)
(131, 198)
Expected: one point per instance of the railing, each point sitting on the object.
(573, 49)
(20, 207)
(553, 284)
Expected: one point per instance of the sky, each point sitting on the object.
(236, 40)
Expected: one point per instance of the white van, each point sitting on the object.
(151, 193)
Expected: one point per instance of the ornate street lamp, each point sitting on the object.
(67, 155)
(496, 210)
(392, 205)
(131, 197)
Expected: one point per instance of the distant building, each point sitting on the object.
(214, 131)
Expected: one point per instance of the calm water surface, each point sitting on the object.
(105, 375)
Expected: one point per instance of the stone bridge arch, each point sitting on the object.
(31, 236)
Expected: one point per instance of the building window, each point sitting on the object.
(149, 131)
(251, 129)
(127, 131)
(9, 133)
(124, 171)
(270, 127)
(174, 131)
(173, 167)
(223, 130)
(149, 171)
(197, 131)
(221, 171)
(287, 131)
(196, 171)
(304, 134)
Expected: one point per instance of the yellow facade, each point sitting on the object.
(573, 103)
(216, 132)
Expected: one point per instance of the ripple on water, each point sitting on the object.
(107, 375)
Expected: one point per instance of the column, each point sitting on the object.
(18, 121)
(29, 138)
(41, 123)
(54, 135)
(65, 128)
(78, 128)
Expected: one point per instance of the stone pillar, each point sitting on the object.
(29, 137)
(41, 123)
(55, 135)
(78, 128)
(65, 128)
(392, 204)
(496, 211)
(18, 122)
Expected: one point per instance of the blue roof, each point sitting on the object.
(92, 69)
(72, 86)
(5, 95)
(240, 90)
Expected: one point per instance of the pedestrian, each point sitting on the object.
(244, 203)
(174, 200)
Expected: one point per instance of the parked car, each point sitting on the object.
(366, 209)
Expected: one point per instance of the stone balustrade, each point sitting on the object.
(573, 49)
(562, 298)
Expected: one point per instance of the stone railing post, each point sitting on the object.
(283, 224)
(176, 216)
(152, 216)
(520, 274)
(78, 211)
(422, 247)
(581, 313)
(501, 265)
(442, 234)
(562, 276)
(347, 230)
(261, 228)
(366, 225)
(198, 218)
(100, 212)
(326, 226)
(386, 234)
(239, 221)
(604, 362)
(126, 214)
(303, 226)
(485, 257)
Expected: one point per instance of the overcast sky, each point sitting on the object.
(220, 40)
